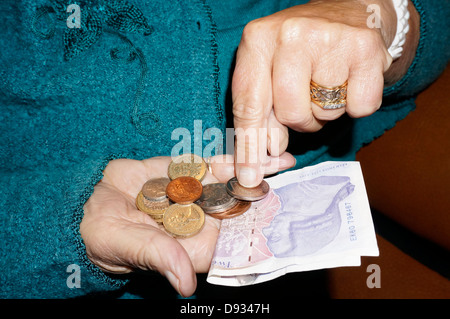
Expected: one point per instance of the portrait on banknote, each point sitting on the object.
(308, 217)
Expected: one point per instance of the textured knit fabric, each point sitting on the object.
(73, 99)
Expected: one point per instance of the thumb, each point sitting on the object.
(222, 166)
(164, 254)
(122, 246)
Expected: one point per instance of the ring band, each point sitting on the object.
(208, 164)
(329, 98)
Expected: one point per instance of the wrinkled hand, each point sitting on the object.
(119, 238)
(328, 42)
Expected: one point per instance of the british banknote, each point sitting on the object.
(313, 218)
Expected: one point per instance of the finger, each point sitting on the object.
(329, 72)
(365, 91)
(291, 79)
(123, 247)
(329, 64)
(252, 102)
(366, 80)
(119, 239)
(279, 163)
(222, 166)
(166, 255)
(277, 136)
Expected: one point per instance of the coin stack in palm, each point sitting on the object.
(180, 203)
(184, 218)
(152, 199)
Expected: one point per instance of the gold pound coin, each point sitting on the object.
(155, 209)
(187, 165)
(183, 220)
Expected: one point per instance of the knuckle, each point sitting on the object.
(367, 43)
(365, 111)
(356, 113)
(291, 30)
(306, 124)
(247, 112)
(287, 118)
(326, 35)
(304, 30)
(296, 120)
(315, 32)
(284, 116)
(328, 115)
(254, 31)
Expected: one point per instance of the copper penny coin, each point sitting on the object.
(248, 194)
(240, 208)
(155, 189)
(184, 190)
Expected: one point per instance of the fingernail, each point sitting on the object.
(247, 177)
(173, 280)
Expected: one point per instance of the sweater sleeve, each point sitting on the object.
(73, 99)
(43, 255)
(432, 54)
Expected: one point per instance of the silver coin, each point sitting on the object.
(155, 189)
(248, 194)
(215, 199)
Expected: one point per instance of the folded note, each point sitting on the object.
(313, 218)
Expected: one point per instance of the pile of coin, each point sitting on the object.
(152, 199)
(180, 202)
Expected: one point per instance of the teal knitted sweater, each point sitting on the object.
(73, 99)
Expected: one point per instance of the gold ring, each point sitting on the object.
(329, 98)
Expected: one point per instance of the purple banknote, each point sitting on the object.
(313, 218)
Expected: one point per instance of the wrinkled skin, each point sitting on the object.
(119, 238)
(325, 41)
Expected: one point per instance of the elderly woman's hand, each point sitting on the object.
(328, 42)
(120, 239)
